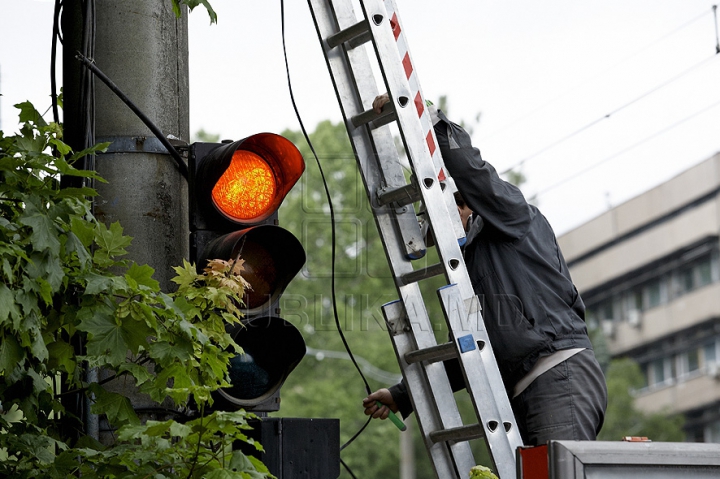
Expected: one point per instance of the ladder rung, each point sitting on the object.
(433, 354)
(424, 273)
(357, 31)
(458, 434)
(402, 196)
(378, 120)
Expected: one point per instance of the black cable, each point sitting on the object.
(333, 233)
(608, 115)
(119, 93)
(329, 200)
(347, 468)
(53, 59)
(349, 441)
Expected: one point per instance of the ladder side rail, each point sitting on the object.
(425, 402)
(375, 174)
(440, 216)
(418, 99)
(385, 219)
(482, 376)
(503, 449)
(421, 322)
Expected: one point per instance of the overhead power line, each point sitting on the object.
(625, 150)
(611, 113)
(603, 72)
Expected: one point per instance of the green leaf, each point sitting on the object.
(29, 301)
(11, 354)
(176, 8)
(194, 3)
(117, 407)
(186, 275)
(83, 230)
(105, 335)
(31, 144)
(179, 430)
(162, 351)
(140, 373)
(76, 193)
(98, 284)
(111, 242)
(42, 446)
(44, 234)
(46, 266)
(143, 275)
(61, 147)
(28, 113)
(99, 148)
(74, 245)
(62, 356)
(8, 308)
(135, 333)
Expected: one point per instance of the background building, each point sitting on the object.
(649, 273)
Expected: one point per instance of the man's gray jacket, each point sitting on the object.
(530, 306)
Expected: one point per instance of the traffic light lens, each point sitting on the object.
(247, 189)
(249, 380)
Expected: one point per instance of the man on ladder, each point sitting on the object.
(532, 311)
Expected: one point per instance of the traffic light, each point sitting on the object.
(235, 190)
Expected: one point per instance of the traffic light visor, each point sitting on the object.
(247, 180)
(272, 348)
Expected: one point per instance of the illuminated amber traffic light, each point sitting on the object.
(247, 188)
(236, 189)
(243, 182)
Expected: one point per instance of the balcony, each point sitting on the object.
(653, 324)
(682, 394)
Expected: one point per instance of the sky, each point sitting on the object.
(603, 100)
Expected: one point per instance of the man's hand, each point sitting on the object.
(371, 407)
(378, 104)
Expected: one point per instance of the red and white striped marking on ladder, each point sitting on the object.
(412, 78)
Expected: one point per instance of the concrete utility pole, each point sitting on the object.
(142, 47)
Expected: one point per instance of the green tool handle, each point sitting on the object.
(393, 417)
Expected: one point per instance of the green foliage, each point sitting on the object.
(204, 136)
(481, 472)
(63, 283)
(191, 4)
(624, 419)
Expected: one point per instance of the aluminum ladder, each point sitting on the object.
(349, 41)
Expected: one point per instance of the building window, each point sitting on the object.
(694, 275)
(710, 353)
(686, 280)
(657, 372)
(645, 375)
(712, 432)
(653, 293)
(688, 362)
(606, 310)
(693, 360)
(704, 271)
(666, 286)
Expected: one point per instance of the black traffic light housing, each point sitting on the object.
(236, 189)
